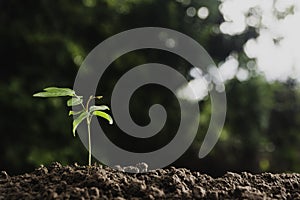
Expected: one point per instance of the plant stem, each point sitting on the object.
(88, 103)
(88, 121)
(89, 140)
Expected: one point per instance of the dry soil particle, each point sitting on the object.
(97, 182)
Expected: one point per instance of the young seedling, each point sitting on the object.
(86, 112)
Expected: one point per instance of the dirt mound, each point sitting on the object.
(81, 182)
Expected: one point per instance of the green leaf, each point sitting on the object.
(102, 107)
(47, 94)
(103, 115)
(74, 101)
(62, 90)
(71, 112)
(55, 92)
(78, 120)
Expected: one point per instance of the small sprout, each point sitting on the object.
(86, 112)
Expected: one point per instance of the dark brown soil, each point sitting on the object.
(96, 182)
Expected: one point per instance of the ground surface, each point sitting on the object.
(79, 182)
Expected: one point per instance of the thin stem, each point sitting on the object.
(88, 121)
(88, 103)
(89, 140)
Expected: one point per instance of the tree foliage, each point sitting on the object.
(44, 42)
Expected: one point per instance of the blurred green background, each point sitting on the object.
(42, 43)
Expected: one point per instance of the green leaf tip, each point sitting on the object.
(71, 112)
(103, 115)
(102, 107)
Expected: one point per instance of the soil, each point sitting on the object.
(98, 182)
